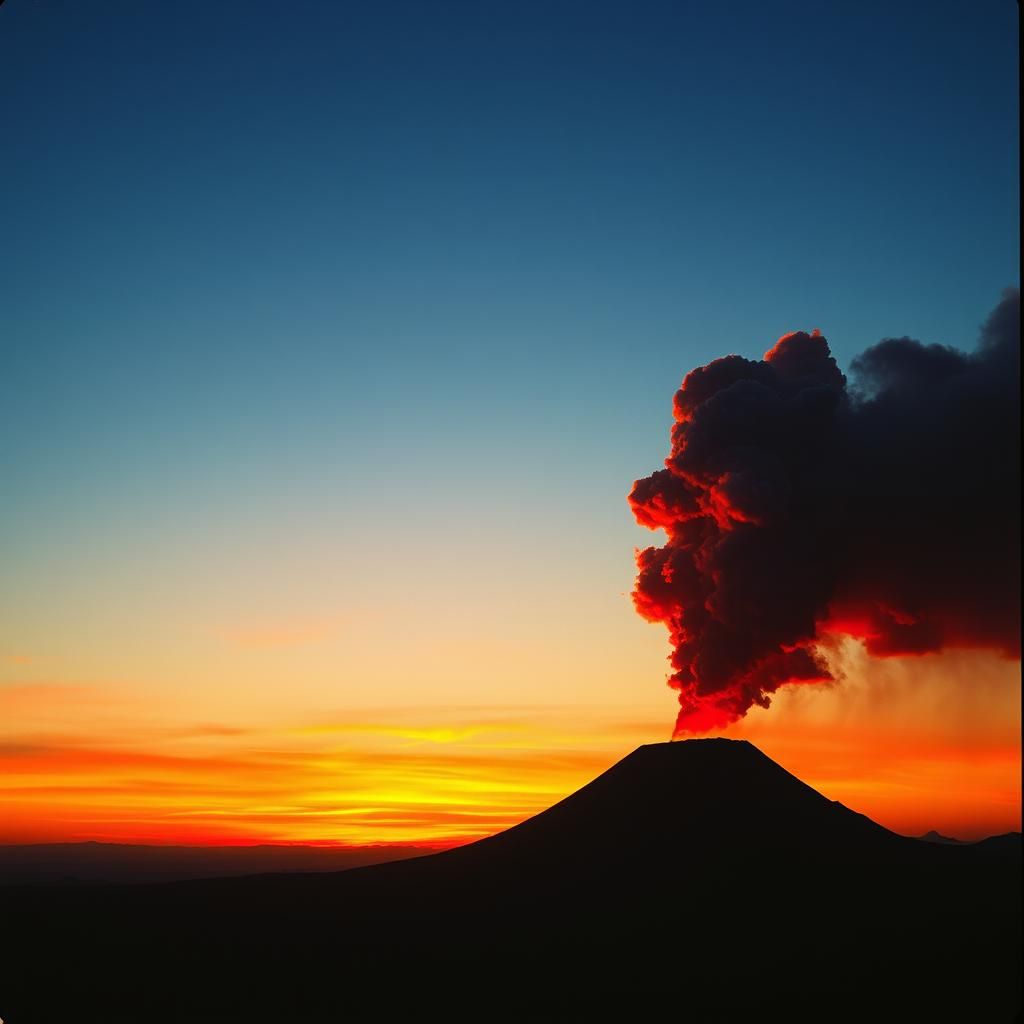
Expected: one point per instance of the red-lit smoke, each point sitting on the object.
(800, 508)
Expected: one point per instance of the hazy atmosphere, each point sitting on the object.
(335, 337)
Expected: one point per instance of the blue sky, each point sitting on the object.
(298, 301)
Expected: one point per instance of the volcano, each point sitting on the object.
(697, 876)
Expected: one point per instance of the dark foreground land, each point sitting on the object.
(694, 881)
(89, 863)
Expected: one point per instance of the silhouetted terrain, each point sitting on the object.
(697, 880)
(82, 863)
(937, 837)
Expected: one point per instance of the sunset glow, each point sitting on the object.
(408, 410)
(894, 739)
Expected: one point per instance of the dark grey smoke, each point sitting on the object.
(800, 507)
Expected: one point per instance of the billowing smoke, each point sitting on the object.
(801, 507)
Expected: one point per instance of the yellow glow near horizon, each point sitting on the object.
(915, 744)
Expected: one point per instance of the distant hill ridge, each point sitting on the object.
(92, 862)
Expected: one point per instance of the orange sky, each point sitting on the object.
(915, 743)
(323, 392)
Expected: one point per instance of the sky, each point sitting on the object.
(335, 335)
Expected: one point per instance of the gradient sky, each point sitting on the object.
(334, 336)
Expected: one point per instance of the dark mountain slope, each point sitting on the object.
(715, 798)
(697, 877)
(935, 837)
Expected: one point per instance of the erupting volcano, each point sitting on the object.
(801, 507)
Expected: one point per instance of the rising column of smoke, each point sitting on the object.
(800, 508)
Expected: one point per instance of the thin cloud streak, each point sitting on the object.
(444, 777)
(375, 788)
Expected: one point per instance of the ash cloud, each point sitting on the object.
(801, 507)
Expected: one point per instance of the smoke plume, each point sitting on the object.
(801, 507)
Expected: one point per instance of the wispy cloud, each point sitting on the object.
(429, 734)
(79, 763)
(283, 633)
(351, 782)
(26, 698)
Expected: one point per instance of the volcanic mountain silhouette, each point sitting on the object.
(699, 800)
(708, 806)
(697, 876)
